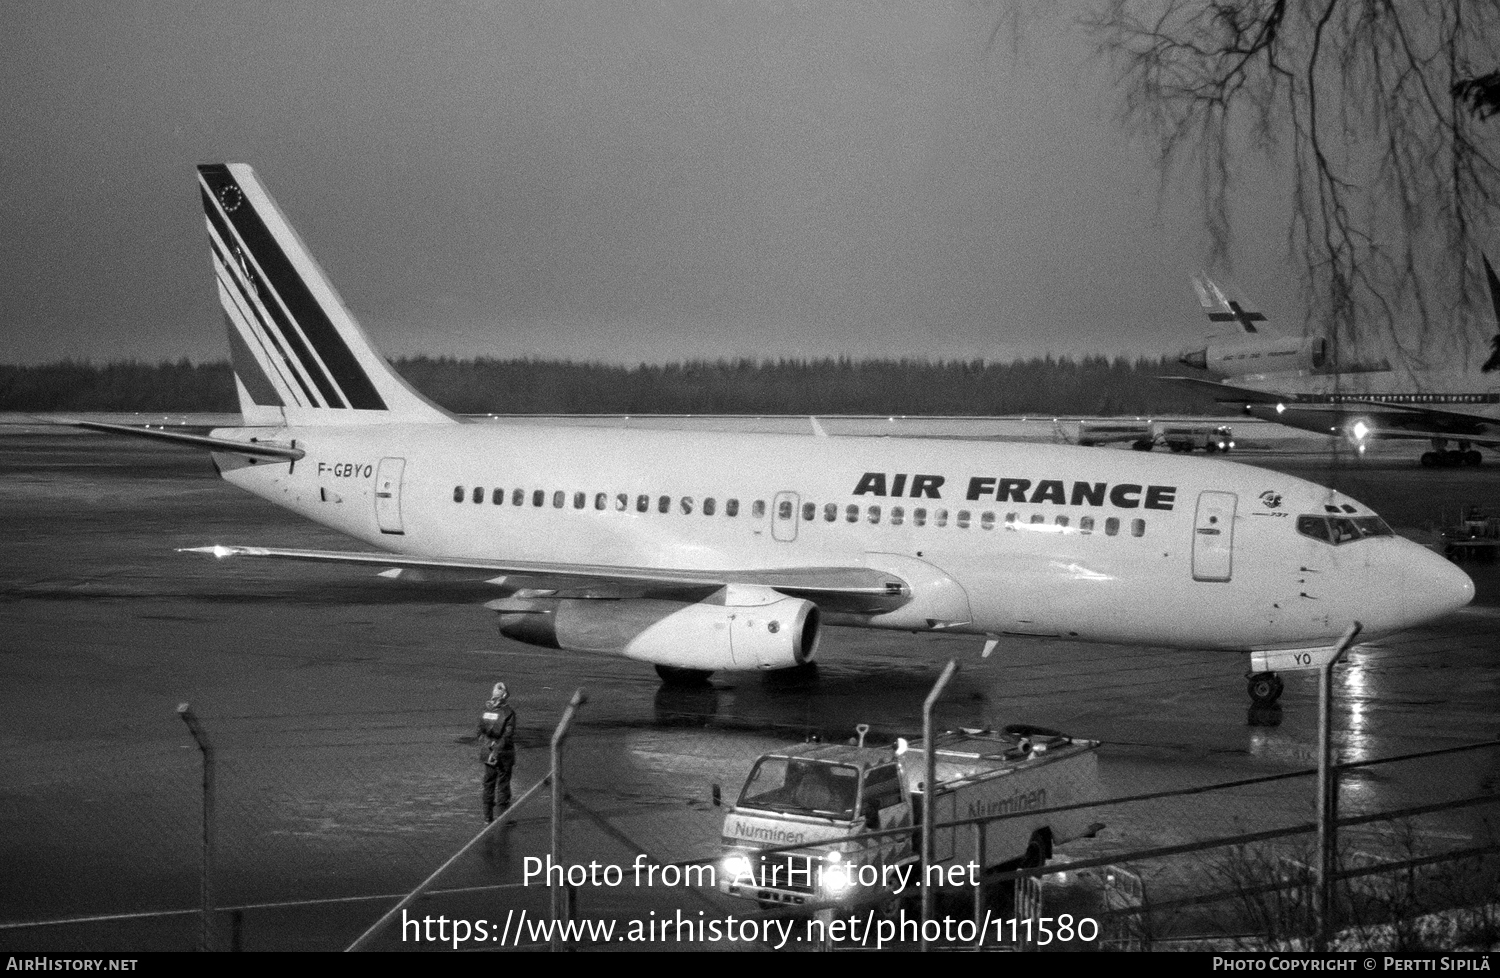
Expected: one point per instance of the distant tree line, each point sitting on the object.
(1044, 385)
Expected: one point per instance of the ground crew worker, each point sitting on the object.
(497, 749)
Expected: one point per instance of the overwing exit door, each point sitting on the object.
(388, 495)
(1213, 536)
(784, 517)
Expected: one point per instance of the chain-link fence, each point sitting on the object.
(319, 834)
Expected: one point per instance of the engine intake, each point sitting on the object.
(777, 634)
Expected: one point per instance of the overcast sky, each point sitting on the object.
(626, 181)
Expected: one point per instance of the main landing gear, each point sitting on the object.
(1265, 688)
(673, 676)
(1442, 456)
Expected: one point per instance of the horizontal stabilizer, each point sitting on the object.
(254, 449)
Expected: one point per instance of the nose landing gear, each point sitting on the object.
(1442, 456)
(1264, 687)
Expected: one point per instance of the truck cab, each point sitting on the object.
(811, 798)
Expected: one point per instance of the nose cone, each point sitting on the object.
(1434, 587)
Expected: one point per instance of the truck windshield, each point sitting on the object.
(802, 786)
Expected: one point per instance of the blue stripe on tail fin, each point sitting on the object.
(299, 355)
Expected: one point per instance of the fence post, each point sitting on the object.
(206, 748)
(560, 903)
(1328, 794)
(929, 813)
(979, 828)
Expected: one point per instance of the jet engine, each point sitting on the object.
(772, 632)
(1259, 355)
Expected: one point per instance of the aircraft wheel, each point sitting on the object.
(673, 676)
(1471, 457)
(1265, 688)
(793, 677)
(1431, 460)
(1141, 446)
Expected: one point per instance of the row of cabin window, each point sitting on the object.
(962, 519)
(601, 501)
(852, 512)
(1489, 398)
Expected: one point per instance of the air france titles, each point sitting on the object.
(1124, 495)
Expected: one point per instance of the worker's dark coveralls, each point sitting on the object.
(497, 749)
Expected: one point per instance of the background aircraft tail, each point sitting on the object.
(299, 356)
(1493, 363)
(1222, 309)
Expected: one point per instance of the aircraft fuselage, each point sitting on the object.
(992, 538)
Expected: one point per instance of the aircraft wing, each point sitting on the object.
(1402, 421)
(1224, 391)
(1382, 419)
(854, 589)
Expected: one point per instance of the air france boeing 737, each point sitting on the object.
(718, 551)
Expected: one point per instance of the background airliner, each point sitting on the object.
(714, 551)
(1288, 380)
(1247, 348)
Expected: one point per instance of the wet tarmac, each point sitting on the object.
(339, 705)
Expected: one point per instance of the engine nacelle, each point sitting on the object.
(1259, 355)
(777, 633)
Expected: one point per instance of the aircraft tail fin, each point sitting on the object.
(299, 356)
(1222, 309)
(1493, 363)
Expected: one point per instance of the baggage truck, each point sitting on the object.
(787, 838)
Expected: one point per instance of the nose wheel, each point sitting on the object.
(1265, 688)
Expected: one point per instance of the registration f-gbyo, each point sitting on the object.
(703, 551)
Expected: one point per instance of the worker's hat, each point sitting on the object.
(499, 692)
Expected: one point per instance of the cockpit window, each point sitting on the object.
(1342, 529)
(1315, 527)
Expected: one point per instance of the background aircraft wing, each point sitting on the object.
(1411, 421)
(854, 589)
(1223, 391)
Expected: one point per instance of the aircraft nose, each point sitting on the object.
(1434, 587)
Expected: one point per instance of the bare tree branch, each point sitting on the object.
(1380, 107)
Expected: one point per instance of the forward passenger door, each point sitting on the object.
(1213, 536)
